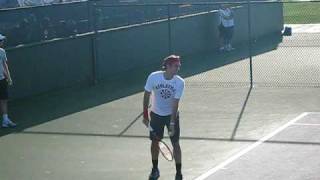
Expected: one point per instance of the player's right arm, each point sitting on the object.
(3, 56)
(146, 100)
(7, 73)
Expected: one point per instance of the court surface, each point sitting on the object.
(92, 132)
(289, 152)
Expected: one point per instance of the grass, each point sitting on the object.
(301, 13)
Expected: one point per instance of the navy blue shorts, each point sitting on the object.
(158, 122)
(4, 89)
(225, 32)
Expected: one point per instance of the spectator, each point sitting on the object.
(34, 28)
(22, 31)
(226, 27)
(67, 28)
(47, 29)
(72, 26)
(8, 4)
(5, 80)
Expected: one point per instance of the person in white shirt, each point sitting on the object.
(165, 89)
(5, 80)
(226, 26)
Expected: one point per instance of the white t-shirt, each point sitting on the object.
(163, 92)
(226, 13)
(3, 58)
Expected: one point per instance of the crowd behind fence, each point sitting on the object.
(30, 3)
(34, 24)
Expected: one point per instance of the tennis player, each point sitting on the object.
(5, 80)
(165, 88)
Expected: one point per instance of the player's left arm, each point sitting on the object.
(7, 72)
(175, 107)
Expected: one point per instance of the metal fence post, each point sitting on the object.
(250, 41)
(93, 29)
(169, 29)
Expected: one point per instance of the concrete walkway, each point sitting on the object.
(304, 28)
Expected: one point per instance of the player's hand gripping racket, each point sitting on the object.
(163, 147)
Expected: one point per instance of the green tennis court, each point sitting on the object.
(92, 132)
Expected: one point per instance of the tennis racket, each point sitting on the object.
(162, 146)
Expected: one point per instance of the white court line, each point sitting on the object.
(249, 148)
(313, 112)
(305, 124)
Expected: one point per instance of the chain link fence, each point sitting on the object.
(135, 35)
(295, 62)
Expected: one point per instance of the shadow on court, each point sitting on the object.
(182, 138)
(39, 109)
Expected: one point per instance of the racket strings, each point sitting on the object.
(165, 151)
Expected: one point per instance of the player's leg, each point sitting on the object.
(157, 125)
(6, 122)
(177, 157)
(176, 148)
(221, 38)
(229, 34)
(225, 38)
(155, 173)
